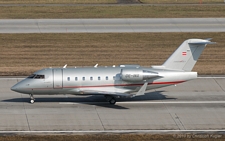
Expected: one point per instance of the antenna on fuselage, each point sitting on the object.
(65, 66)
(96, 66)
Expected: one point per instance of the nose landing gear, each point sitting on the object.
(32, 99)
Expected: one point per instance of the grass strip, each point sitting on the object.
(57, 1)
(56, 12)
(21, 54)
(105, 1)
(181, 1)
(117, 137)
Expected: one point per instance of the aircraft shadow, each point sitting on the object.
(157, 95)
(97, 100)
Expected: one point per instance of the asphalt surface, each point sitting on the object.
(112, 25)
(194, 106)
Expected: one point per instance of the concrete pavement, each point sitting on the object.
(120, 25)
(193, 105)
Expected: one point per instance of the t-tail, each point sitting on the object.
(186, 55)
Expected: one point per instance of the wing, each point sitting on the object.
(113, 91)
(106, 91)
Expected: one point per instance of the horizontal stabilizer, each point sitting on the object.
(202, 43)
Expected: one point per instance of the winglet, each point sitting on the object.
(142, 89)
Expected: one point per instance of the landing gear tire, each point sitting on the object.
(31, 101)
(112, 101)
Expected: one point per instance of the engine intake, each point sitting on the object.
(134, 75)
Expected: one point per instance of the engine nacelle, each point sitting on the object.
(134, 75)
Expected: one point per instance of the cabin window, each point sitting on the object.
(83, 78)
(106, 78)
(76, 78)
(91, 78)
(114, 77)
(68, 78)
(99, 78)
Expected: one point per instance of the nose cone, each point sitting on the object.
(15, 88)
(19, 87)
(22, 87)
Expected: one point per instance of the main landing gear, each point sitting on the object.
(110, 99)
(32, 99)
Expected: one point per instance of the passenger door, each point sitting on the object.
(57, 79)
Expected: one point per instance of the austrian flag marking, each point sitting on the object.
(184, 53)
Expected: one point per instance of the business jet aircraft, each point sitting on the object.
(116, 81)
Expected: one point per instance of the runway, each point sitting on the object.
(126, 25)
(194, 106)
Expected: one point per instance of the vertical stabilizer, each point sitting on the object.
(186, 55)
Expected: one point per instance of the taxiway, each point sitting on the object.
(112, 25)
(197, 105)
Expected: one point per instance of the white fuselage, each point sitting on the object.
(86, 80)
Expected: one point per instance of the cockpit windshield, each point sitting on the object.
(36, 76)
(31, 76)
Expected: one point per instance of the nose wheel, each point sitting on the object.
(32, 99)
(110, 99)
